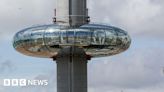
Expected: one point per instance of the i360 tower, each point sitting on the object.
(71, 41)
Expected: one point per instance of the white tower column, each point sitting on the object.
(71, 12)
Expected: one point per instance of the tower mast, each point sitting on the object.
(71, 70)
(71, 61)
(72, 13)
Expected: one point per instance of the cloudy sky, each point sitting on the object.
(139, 69)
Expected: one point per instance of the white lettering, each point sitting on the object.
(14, 82)
(22, 82)
(6, 82)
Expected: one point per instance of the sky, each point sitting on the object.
(139, 69)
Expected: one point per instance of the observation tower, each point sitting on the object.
(71, 41)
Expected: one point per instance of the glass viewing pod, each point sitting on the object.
(46, 40)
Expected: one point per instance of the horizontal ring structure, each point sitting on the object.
(46, 40)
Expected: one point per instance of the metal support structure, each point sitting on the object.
(72, 13)
(71, 70)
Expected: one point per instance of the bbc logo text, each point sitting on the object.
(24, 82)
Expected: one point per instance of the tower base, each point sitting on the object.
(71, 70)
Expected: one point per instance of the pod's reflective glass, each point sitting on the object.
(47, 40)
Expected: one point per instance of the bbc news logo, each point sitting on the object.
(24, 82)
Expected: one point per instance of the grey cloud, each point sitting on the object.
(2, 89)
(6, 66)
(1, 36)
(18, 14)
(152, 89)
(139, 69)
(1, 33)
(137, 16)
(51, 87)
